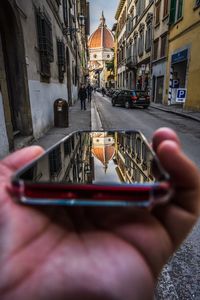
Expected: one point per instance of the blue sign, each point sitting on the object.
(180, 56)
(181, 95)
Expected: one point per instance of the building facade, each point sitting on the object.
(183, 66)
(120, 42)
(101, 51)
(41, 50)
(139, 43)
(159, 49)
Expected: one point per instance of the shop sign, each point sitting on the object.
(180, 56)
(181, 95)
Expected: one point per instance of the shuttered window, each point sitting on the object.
(45, 42)
(155, 49)
(141, 44)
(65, 12)
(165, 9)
(148, 39)
(61, 59)
(176, 11)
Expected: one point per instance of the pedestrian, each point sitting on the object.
(89, 253)
(82, 95)
(89, 92)
(103, 91)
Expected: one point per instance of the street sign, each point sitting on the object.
(181, 95)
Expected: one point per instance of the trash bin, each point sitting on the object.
(61, 113)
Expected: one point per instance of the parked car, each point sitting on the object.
(131, 98)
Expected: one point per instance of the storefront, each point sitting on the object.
(158, 80)
(178, 73)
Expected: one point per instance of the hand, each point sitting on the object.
(75, 253)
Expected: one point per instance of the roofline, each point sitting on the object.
(119, 9)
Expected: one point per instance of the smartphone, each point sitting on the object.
(95, 168)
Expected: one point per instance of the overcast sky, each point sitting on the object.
(109, 8)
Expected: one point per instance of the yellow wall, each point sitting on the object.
(186, 33)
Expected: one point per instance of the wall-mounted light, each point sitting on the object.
(72, 30)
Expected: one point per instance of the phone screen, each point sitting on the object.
(87, 164)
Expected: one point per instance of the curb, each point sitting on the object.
(176, 113)
(96, 123)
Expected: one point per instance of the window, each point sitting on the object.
(135, 51)
(61, 59)
(165, 9)
(155, 49)
(163, 45)
(148, 37)
(141, 44)
(176, 11)
(45, 42)
(65, 12)
(140, 6)
(157, 15)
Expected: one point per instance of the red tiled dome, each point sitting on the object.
(102, 37)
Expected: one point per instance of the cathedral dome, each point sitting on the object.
(102, 37)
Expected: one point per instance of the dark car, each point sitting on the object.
(131, 98)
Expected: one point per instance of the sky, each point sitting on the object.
(109, 8)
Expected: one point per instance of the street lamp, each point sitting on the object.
(71, 30)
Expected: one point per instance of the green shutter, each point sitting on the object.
(172, 12)
(180, 9)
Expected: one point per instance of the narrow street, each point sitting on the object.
(148, 120)
(180, 278)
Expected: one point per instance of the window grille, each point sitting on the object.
(67, 147)
(55, 164)
(45, 42)
(61, 59)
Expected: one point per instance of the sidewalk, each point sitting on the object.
(178, 111)
(78, 120)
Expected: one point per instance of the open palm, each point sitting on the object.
(90, 253)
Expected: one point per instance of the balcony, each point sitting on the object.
(131, 61)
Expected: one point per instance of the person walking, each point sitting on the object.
(89, 92)
(82, 95)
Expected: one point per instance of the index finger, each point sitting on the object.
(21, 157)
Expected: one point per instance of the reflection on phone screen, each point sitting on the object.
(95, 166)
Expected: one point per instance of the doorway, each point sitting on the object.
(159, 89)
(13, 74)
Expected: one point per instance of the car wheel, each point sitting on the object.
(127, 104)
(113, 102)
(145, 107)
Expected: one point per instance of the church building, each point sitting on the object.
(101, 51)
